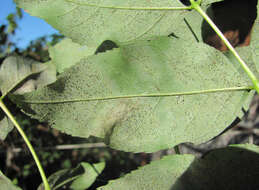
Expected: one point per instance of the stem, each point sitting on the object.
(34, 155)
(196, 5)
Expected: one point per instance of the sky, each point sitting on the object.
(29, 27)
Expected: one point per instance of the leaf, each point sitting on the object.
(67, 53)
(231, 168)
(79, 178)
(15, 73)
(254, 40)
(74, 103)
(88, 178)
(5, 183)
(161, 174)
(5, 127)
(90, 23)
(247, 54)
(22, 75)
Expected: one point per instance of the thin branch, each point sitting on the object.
(34, 155)
(63, 147)
(251, 75)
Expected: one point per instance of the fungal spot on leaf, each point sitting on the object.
(105, 46)
(235, 18)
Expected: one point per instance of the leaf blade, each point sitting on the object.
(88, 25)
(217, 169)
(6, 183)
(131, 124)
(16, 70)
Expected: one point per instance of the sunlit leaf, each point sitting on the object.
(90, 22)
(66, 54)
(159, 66)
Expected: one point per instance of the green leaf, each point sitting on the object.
(5, 183)
(20, 75)
(247, 54)
(6, 127)
(67, 53)
(254, 44)
(79, 178)
(90, 23)
(78, 103)
(88, 178)
(232, 168)
(24, 75)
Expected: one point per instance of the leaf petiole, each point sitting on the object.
(34, 155)
(196, 6)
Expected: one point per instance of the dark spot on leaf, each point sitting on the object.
(186, 2)
(105, 46)
(173, 35)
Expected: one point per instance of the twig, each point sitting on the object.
(63, 147)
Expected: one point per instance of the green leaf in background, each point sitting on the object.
(88, 23)
(22, 75)
(15, 75)
(232, 168)
(144, 124)
(91, 172)
(5, 183)
(67, 53)
(161, 174)
(79, 178)
(6, 127)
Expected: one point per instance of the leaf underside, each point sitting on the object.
(20, 75)
(142, 65)
(232, 168)
(91, 25)
(162, 65)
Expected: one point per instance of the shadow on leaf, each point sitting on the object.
(230, 168)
